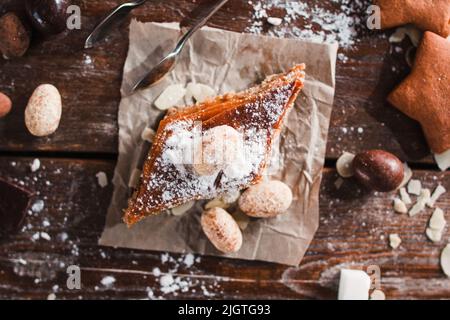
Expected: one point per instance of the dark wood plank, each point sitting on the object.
(354, 230)
(89, 82)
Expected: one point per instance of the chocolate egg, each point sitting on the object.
(378, 170)
(14, 36)
(49, 17)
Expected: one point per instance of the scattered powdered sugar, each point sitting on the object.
(341, 21)
(108, 281)
(175, 279)
(102, 179)
(38, 206)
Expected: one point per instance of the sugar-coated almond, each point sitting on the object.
(222, 230)
(43, 112)
(5, 105)
(266, 199)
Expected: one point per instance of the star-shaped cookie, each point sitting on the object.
(428, 15)
(425, 94)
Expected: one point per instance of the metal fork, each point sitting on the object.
(116, 15)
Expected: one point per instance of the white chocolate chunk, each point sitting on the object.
(445, 260)
(407, 175)
(134, 178)
(274, 21)
(180, 210)
(399, 206)
(443, 160)
(414, 187)
(148, 134)
(394, 241)
(405, 196)
(422, 201)
(439, 191)
(199, 92)
(433, 235)
(344, 165)
(170, 97)
(437, 221)
(354, 285)
(377, 295)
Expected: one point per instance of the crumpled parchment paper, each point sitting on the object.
(227, 61)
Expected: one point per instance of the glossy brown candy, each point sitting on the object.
(378, 170)
(14, 203)
(48, 17)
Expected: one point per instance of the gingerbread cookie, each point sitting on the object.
(424, 95)
(428, 15)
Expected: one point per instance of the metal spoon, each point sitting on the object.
(168, 63)
(117, 15)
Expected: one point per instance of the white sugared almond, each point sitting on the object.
(222, 230)
(266, 199)
(344, 165)
(170, 97)
(43, 112)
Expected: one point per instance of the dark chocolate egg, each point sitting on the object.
(49, 17)
(378, 170)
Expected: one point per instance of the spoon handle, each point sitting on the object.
(200, 23)
(113, 18)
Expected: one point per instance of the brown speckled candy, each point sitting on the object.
(378, 170)
(14, 36)
(5, 105)
(14, 203)
(425, 94)
(427, 15)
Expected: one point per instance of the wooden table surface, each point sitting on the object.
(354, 225)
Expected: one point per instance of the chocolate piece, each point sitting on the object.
(425, 14)
(424, 95)
(378, 170)
(14, 36)
(49, 17)
(14, 203)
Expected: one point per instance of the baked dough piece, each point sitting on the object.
(168, 178)
(428, 15)
(425, 95)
